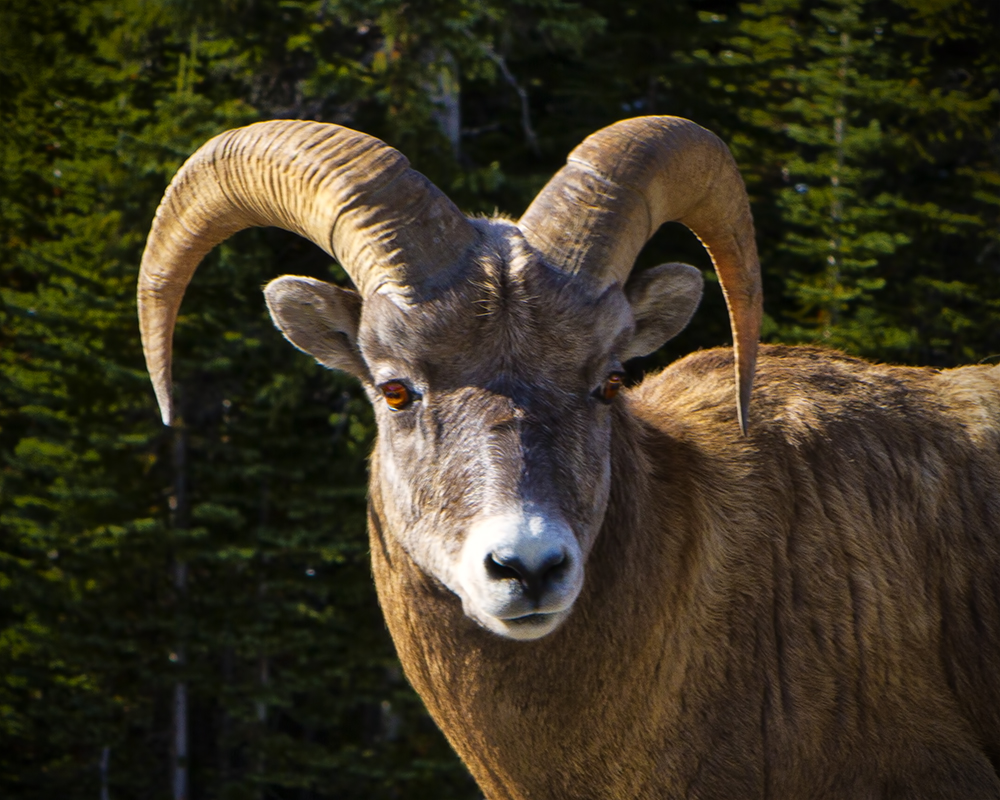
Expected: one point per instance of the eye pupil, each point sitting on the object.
(396, 394)
(612, 386)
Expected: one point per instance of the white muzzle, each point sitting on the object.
(520, 572)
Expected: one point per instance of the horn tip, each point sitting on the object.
(744, 421)
(166, 409)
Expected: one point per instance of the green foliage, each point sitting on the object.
(866, 130)
(859, 122)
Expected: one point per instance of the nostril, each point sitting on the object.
(504, 568)
(553, 566)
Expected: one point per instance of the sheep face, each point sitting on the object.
(490, 349)
(494, 400)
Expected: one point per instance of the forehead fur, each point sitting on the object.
(509, 310)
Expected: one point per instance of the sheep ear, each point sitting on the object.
(319, 319)
(663, 300)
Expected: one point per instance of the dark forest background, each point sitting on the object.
(190, 612)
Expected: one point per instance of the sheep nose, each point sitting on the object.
(533, 578)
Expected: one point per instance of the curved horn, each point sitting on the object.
(622, 183)
(347, 192)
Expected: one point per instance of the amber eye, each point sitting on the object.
(610, 388)
(396, 395)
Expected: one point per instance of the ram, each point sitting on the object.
(643, 593)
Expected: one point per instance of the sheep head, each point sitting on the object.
(492, 351)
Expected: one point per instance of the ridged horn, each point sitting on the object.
(349, 193)
(625, 181)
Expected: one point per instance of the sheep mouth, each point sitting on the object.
(532, 626)
(528, 619)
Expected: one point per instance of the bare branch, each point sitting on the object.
(529, 132)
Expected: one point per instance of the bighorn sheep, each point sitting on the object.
(629, 597)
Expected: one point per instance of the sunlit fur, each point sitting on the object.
(810, 612)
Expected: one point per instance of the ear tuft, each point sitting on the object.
(663, 300)
(319, 319)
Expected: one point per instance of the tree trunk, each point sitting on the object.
(105, 762)
(179, 506)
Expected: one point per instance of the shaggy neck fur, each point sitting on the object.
(524, 734)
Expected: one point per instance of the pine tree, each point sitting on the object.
(841, 118)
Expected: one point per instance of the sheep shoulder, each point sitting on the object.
(805, 392)
(851, 542)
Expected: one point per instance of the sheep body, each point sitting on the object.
(812, 611)
(627, 598)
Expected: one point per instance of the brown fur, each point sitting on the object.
(810, 612)
(603, 598)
